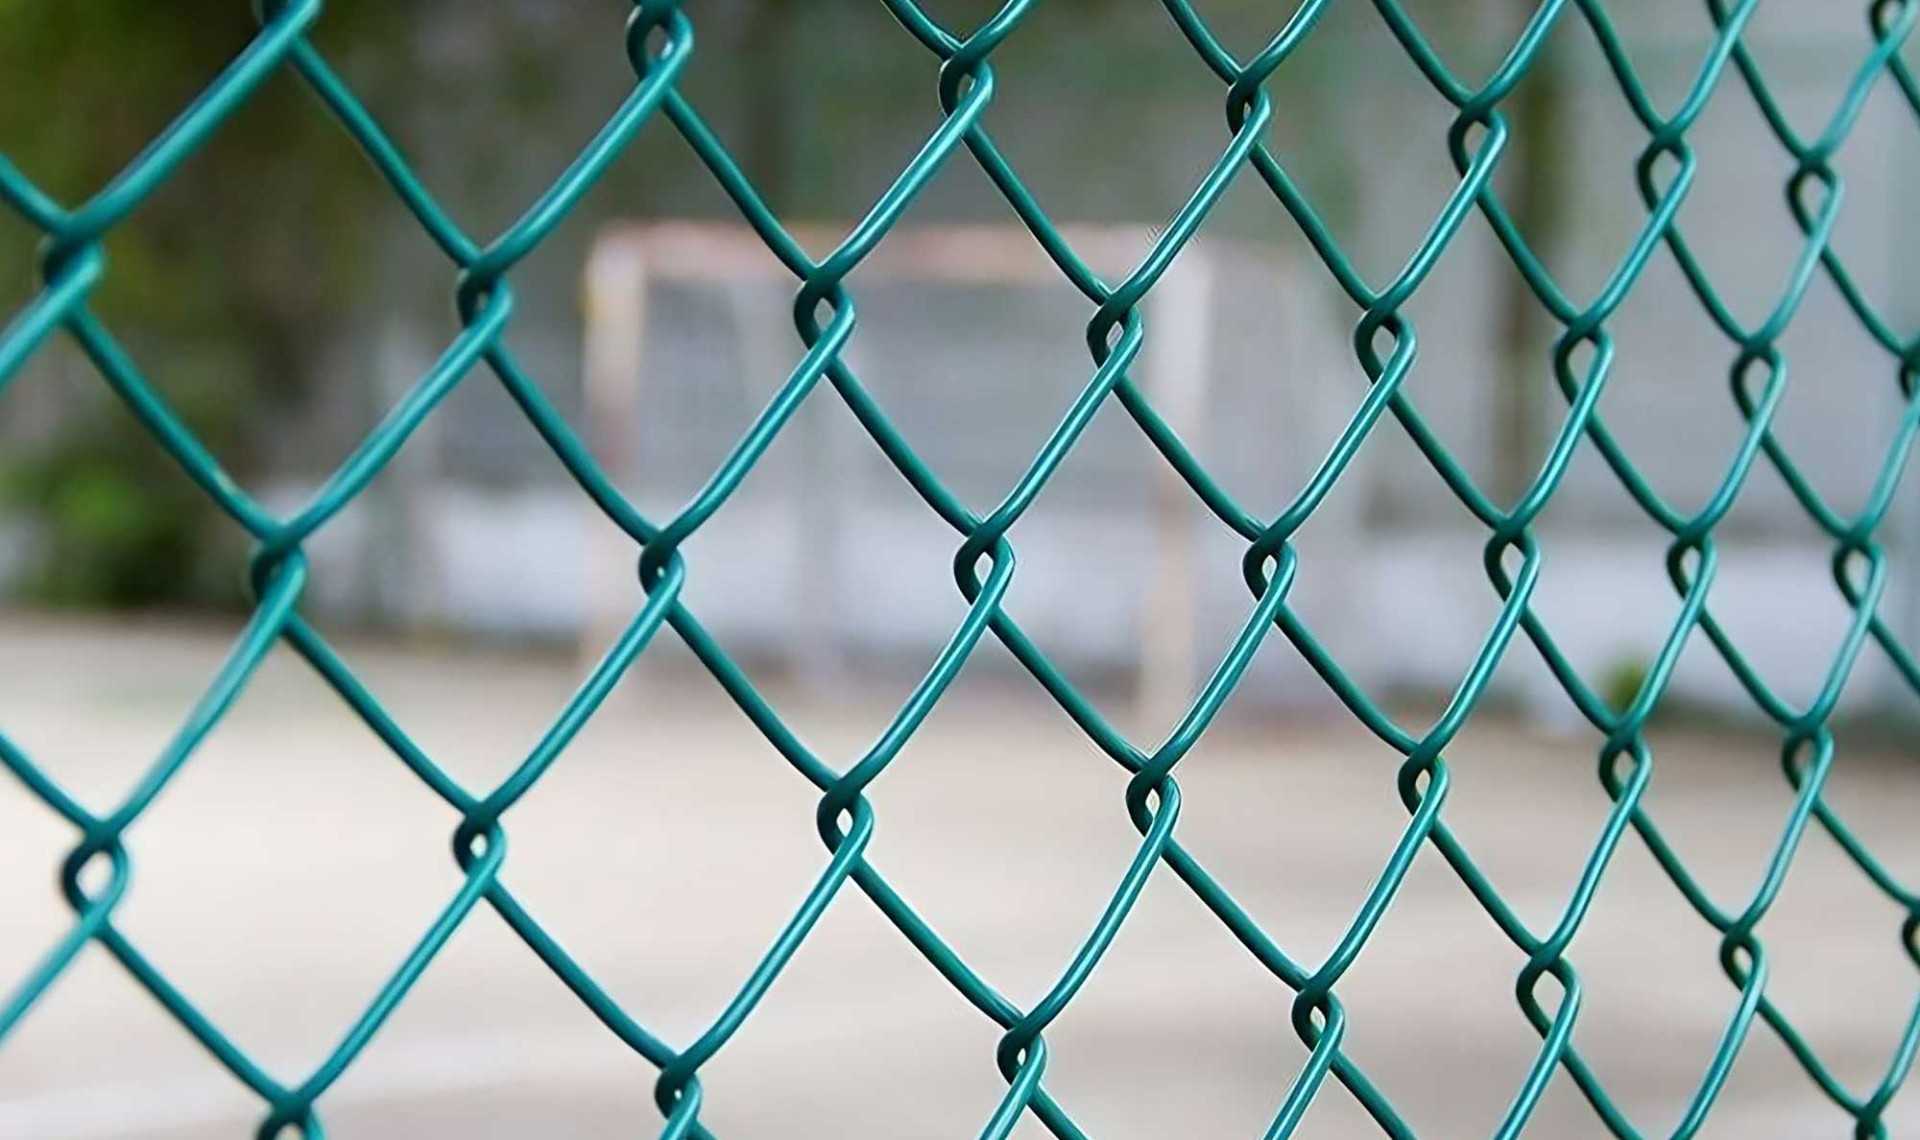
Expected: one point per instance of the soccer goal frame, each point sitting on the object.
(629, 259)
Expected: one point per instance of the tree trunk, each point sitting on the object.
(1536, 199)
(768, 140)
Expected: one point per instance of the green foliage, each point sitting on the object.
(117, 526)
(226, 287)
(1622, 681)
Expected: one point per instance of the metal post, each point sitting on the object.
(615, 342)
(1178, 351)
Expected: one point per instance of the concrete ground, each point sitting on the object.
(294, 862)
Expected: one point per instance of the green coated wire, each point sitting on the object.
(659, 44)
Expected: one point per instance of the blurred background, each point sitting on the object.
(284, 329)
(281, 298)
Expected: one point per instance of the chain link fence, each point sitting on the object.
(660, 42)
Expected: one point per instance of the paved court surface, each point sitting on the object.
(294, 862)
